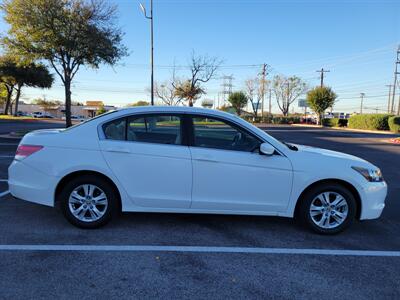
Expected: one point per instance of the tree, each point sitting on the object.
(67, 34)
(255, 90)
(202, 68)
(140, 103)
(320, 99)
(238, 100)
(287, 90)
(47, 105)
(166, 93)
(101, 110)
(32, 75)
(7, 79)
(3, 95)
(225, 108)
(16, 72)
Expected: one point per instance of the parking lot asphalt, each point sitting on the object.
(196, 275)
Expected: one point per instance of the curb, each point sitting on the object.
(346, 129)
(9, 136)
(395, 141)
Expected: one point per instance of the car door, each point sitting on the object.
(148, 156)
(230, 174)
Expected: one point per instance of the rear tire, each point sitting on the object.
(327, 208)
(88, 201)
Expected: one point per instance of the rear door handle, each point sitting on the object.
(118, 150)
(207, 159)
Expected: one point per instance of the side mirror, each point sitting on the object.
(267, 149)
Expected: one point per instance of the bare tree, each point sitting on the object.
(166, 91)
(287, 90)
(255, 89)
(202, 69)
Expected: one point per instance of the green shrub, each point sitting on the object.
(342, 122)
(251, 119)
(394, 124)
(334, 122)
(327, 122)
(286, 120)
(370, 122)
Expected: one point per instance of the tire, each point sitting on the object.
(88, 201)
(324, 217)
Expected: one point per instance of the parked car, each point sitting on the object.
(21, 114)
(190, 160)
(76, 118)
(39, 114)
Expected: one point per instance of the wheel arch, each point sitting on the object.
(343, 183)
(75, 174)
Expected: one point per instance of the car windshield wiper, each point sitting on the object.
(290, 146)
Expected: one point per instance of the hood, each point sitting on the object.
(329, 153)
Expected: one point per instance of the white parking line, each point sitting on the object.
(199, 249)
(4, 193)
(7, 156)
(3, 180)
(9, 144)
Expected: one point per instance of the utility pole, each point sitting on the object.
(390, 94)
(398, 107)
(396, 72)
(263, 75)
(362, 95)
(150, 17)
(287, 98)
(322, 71)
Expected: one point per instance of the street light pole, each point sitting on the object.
(150, 17)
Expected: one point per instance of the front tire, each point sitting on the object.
(88, 202)
(327, 208)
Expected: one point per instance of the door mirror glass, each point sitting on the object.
(267, 149)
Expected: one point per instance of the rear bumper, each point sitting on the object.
(373, 200)
(30, 184)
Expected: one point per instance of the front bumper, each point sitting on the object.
(373, 200)
(29, 184)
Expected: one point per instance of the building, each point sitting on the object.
(89, 110)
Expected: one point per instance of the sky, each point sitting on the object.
(355, 40)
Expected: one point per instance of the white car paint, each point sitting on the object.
(174, 178)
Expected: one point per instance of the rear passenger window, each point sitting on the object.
(160, 129)
(115, 130)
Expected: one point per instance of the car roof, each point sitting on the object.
(157, 108)
(176, 109)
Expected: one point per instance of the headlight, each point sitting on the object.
(372, 175)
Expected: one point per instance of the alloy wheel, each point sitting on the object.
(88, 203)
(329, 210)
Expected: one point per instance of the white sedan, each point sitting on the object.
(190, 160)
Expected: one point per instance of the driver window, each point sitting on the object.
(214, 133)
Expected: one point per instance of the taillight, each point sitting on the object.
(23, 151)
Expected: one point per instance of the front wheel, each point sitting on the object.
(328, 208)
(88, 202)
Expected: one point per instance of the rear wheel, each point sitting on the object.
(88, 201)
(328, 208)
